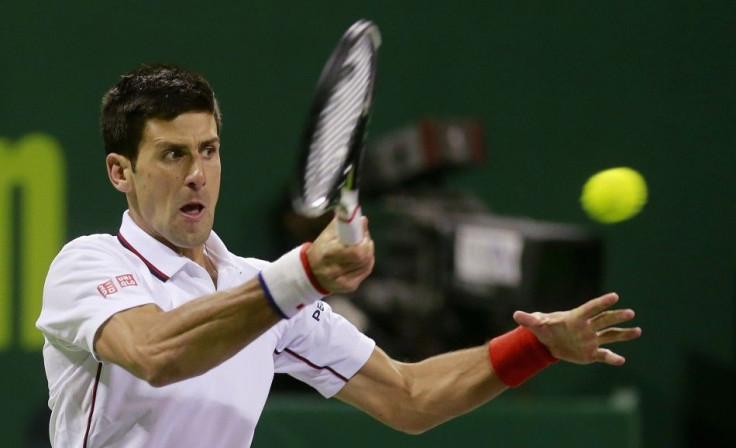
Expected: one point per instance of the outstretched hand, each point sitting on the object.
(578, 334)
(341, 268)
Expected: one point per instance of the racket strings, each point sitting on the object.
(333, 133)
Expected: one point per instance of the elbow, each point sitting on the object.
(411, 412)
(413, 427)
(411, 419)
(160, 365)
(164, 371)
(157, 369)
(159, 379)
(155, 374)
(412, 431)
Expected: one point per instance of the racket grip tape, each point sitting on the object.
(518, 355)
(349, 222)
(289, 283)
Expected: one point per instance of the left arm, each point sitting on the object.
(414, 397)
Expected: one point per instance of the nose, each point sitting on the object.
(196, 178)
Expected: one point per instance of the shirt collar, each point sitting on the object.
(160, 259)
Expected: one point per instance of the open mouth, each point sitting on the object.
(192, 209)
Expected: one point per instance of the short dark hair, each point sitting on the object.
(151, 91)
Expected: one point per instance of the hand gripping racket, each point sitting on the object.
(332, 142)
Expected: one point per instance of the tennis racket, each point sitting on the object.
(333, 136)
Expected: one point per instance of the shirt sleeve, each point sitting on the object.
(322, 349)
(88, 282)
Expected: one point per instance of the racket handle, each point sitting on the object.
(349, 224)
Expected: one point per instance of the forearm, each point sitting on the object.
(448, 385)
(165, 347)
(414, 397)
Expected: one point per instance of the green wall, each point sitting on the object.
(563, 88)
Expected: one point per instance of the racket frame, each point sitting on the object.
(343, 190)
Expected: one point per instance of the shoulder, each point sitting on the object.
(95, 243)
(91, 245)
(91, 241)
(89, 254)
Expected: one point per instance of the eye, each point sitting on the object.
(173, 154)
(209, 151)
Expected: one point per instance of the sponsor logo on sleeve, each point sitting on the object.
(109, 287)
(126, 280)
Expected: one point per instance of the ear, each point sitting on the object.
(119, 170)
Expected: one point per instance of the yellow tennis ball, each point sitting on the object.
(614, 195)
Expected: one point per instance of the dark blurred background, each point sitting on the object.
(545, 94)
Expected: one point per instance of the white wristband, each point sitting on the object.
(287, 283)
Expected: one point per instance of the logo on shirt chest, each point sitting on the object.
(111, 287)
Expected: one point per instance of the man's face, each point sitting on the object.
(176, 183)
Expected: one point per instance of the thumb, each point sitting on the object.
(526, 320)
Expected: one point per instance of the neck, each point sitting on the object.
(195, 253)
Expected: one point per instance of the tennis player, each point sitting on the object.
(158, 336)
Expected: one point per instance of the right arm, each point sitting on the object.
(163, 347)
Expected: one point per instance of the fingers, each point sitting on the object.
(602, 321)
(596, 306)
(527, 320)
(607, 356)
(611, 317)
(341, 268)
(612, 335)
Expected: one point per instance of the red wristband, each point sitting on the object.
(308, 269)
(517, 356)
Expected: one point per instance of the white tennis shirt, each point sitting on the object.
(99, 404)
